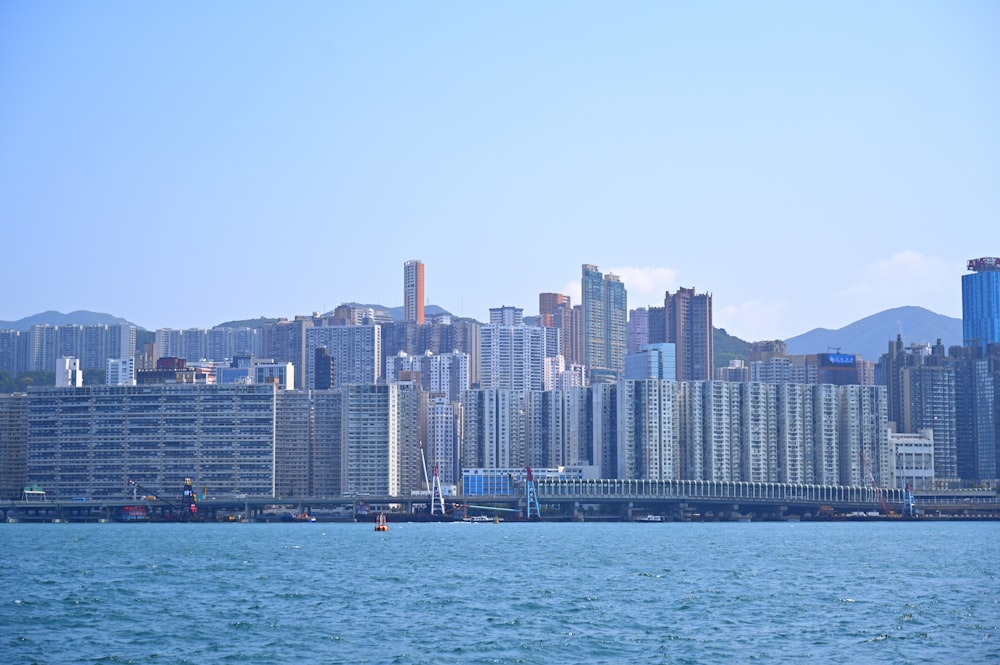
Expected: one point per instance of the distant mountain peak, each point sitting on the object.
(870, 337)
(80, 317)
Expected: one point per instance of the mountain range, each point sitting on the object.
(868, 337)
(80, 317)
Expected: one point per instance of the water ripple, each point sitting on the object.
(531, 593)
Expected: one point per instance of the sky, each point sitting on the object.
(806, 163)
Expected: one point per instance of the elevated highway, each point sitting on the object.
(561, 499)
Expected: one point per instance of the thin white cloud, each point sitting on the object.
(646, 286)
(572, 289)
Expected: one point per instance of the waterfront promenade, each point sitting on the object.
(580, 500)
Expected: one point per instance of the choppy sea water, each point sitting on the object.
(507, 593)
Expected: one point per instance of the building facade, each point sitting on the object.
(981, 303)
(356, 353)
(413, 292)
(688, 325)
(512, 355)
(605, 325)
(13, 445)
(91, 441)
(652, 361)
(120, 372)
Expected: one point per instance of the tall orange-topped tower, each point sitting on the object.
(413, 291)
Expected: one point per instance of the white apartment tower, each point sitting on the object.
(120, 372)
(68, 374)
(446, 374)
(356, 352)
(511, 355)
(863, 410)
(442, 438)
(493, 429)
(648, 430)
(760, 432)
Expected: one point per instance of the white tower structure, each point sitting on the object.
(68, 374)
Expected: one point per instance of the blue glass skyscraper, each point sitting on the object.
(981, 303)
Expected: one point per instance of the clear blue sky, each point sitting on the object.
(809, 163)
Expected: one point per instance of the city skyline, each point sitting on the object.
(808, 166)
(62, 319)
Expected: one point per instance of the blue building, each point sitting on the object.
(652, 361)
(981, 303)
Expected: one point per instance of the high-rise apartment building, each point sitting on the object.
(194, 342)
(638, 329)
(219, 344)
(13, 445)
(120, 372)
(493, 429)
(512, 355)
(169, 343)
(977, 414)
(356, 353)
(413, 291)
(548, 305)
(37, 348)
(649, 430)
(441, 444)
(285, 341)
(920, 383)
(446, 374)
(981, 303)
(154, 435)
(379, 439)
(555, 310)
(11, 351)
(294, 437)
(69, 341)
(759, 422)
(68, 374)
(864, 436)
(121, 342)
(688, 317)
(41, 353)
(605, 321)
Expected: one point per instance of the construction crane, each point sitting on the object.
(878, 491)
(187, 510)
(531, 497)
(433, 487)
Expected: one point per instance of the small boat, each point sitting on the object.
(650, 518)
(380, 523)
(301, 517)
(477, 518)
(133, 514)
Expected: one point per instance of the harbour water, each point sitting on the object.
(915, 592)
